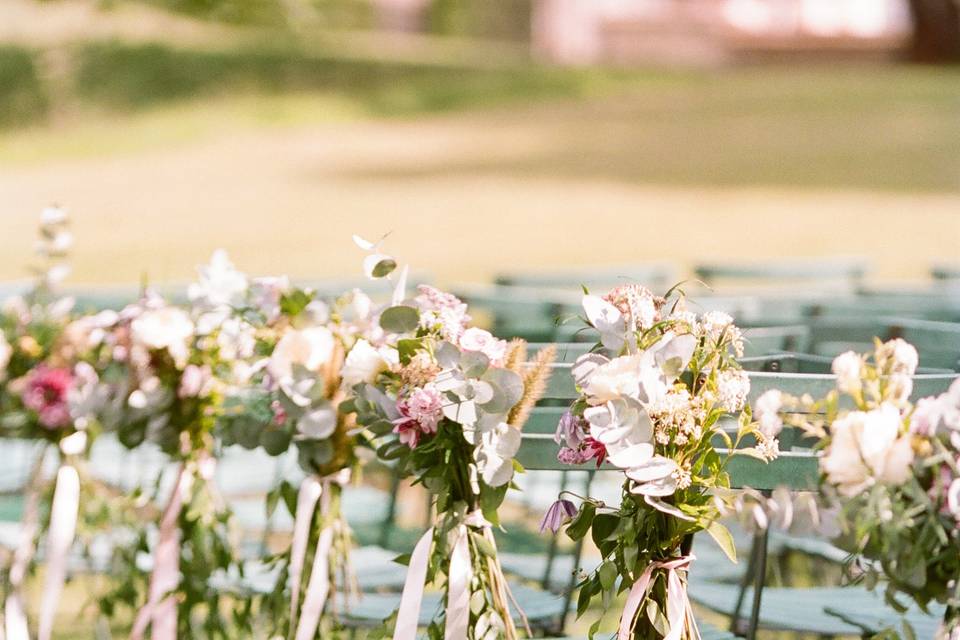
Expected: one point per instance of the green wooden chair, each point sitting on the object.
(796, 468)
(845, 272)
(658, 277)
(938, 343)
(761, 341)
(945, 271)
(520, 312)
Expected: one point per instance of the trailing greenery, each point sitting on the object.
(23, 98)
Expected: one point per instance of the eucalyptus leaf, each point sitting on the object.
(400, 319)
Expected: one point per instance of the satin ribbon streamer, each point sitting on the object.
(311, 491)
(63, 526)
(160, 612)
(458, 584)
(679, 609)
(15, 617)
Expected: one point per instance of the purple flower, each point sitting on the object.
(569, 431)
(557, 515)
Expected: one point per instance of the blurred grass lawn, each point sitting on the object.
(278, 155)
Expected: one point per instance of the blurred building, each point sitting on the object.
(715, 31)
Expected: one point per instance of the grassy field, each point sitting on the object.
(543, 169)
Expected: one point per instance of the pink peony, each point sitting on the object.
(46, 393)
(421, 413)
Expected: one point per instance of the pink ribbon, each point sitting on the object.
(311, 491)
(679, 610)
(160, 610)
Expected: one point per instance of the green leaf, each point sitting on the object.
(408, 347)
(723, 539)
(400, 319)
(608, 575)
(384, 268)
(581, 522)
(403, 558)
(604, 525)
(275, 441)
(483, 545)
(490, 500)
(294, 302)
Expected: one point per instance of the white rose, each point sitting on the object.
(618, 378)
(5, 352)
(164, 328)
(474, 339)
(621, 425)
(310, 348)
(866, 448)
(847, 367)
(364, 362)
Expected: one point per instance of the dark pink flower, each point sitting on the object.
(279, 414)
(46, 392)
(409, 431)
(594, 449)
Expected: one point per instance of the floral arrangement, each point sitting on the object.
(171, 371)
(50, 392)
(449, 410)
(653, 398)
(891, 470)
(303, 355)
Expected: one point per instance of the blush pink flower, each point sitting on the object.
(46, 392)
(421, 412)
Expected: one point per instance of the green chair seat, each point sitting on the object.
(792, 609)
(543, 609)
(874, 621)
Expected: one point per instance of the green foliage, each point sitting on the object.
(123, 76)
(23, 97)
(237, 11)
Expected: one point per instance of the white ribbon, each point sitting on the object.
(307, 499)
(160, 610)
(458, 588)
(15, 616)
(459, 576)
(63, 526)
(318, 589)
(412, 596)
(679, 610)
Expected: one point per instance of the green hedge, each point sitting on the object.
(133, 76)
(23, 98)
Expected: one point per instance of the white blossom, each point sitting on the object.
(866, 447)
(364, 362)
(848, 367)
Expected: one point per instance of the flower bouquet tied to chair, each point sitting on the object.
(663, 399)
(449, 411)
